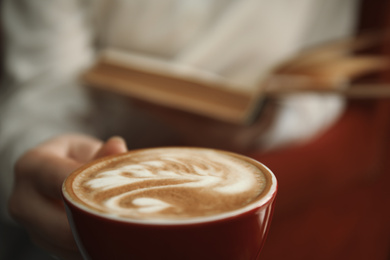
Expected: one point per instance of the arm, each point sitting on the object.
(47, 45)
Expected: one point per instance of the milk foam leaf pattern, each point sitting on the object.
(173, 185)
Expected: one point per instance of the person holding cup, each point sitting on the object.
(44, 71)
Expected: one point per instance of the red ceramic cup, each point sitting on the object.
(237, 235)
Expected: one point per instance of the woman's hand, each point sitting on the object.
(36, 198)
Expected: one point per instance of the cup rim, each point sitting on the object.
(257, 204)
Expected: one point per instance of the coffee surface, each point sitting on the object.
(168, 183)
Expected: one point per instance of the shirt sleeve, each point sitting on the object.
(47, 43)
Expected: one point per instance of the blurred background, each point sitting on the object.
(366, 121)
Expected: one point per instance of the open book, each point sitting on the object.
(326, 69)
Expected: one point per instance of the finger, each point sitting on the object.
(46, 172)
(53, 169)
(114, 145)
(52, 173)
(83, 149)
(76, 146)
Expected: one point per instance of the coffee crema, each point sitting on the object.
(168, 184)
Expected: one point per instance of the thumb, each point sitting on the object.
(114, 145)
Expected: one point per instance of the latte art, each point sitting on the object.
(169, 183)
